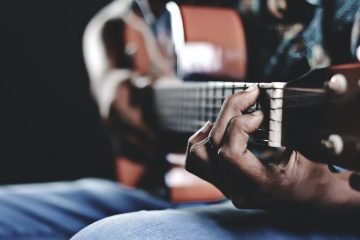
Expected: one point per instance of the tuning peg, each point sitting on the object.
(334, 143)
(338, 84)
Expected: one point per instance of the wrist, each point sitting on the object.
(338, 195)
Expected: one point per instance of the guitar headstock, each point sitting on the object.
(321, 115)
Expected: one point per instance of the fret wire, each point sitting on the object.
(199, 103)
(203, 110)
(257, 107)
(223, 94)
(192, 110)
(191, 100)
(213, 107)
(235, 85)
(194, 125)
(207, 103)
(182, 92)
(195, 107)
(194, 104)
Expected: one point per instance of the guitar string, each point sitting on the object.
(214, 108)
(192, 108)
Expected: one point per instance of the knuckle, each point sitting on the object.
(228, 99)
(196, 151)
(214, 138)
(193, 151)
(237, 123)
(222, 153)
(193, 139)
(228, 154)
(232, 101)
(197, 137)
(238, 101)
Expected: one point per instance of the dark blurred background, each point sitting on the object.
(49, 128)
(49, 124)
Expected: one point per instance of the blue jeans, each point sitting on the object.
(56, 211)
(220, 221)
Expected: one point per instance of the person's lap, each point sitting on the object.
(59, 210)
(220, 221)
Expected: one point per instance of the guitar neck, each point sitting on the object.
(186, 106)
(318, 113)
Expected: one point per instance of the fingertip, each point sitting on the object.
(201, 134)
(258, 115)
(252, 88)
(252, 121)
(206, 127)
(253, 92)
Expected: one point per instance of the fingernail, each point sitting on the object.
(207, 126)
(258, 113)
(251, 88)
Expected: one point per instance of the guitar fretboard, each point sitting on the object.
(186, 106)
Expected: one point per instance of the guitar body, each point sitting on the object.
(208, 41)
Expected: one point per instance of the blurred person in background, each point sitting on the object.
(50, 127)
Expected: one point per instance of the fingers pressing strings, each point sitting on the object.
(233, 106)
(203, 147)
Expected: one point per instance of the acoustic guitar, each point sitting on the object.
(316, 114)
